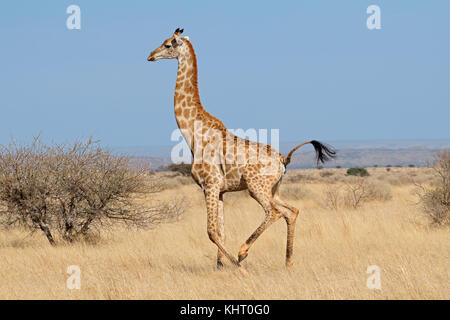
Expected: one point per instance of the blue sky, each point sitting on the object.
(311, 69)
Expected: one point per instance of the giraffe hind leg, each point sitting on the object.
(290, 215)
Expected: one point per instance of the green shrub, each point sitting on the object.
(361, 172)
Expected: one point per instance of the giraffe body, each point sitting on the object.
(224, 162)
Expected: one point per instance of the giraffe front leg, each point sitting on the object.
(220, 231)
(272, 215)
(212, 196)
(243, 252)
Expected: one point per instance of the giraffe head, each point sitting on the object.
(170, 49)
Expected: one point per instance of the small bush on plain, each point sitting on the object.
(436, 202)
(355, 193)
(183, 168)
(361, 172)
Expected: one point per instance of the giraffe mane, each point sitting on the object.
(195, 84)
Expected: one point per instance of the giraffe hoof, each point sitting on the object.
(220, 265)
(242, 256)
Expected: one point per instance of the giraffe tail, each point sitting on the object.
(323, 152)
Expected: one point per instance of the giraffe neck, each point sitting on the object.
(188, 107)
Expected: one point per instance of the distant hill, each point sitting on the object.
(369, 157)
(350, 153)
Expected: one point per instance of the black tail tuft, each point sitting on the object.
(323, 152)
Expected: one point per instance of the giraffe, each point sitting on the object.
(223, 162)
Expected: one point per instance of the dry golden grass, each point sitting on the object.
(333, 249)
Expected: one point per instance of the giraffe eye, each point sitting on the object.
(167, 46)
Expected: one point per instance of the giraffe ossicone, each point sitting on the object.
(223, 162)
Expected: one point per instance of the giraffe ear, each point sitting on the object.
(178, 32)
(176, 41)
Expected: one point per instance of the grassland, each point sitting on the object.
(334, 245)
